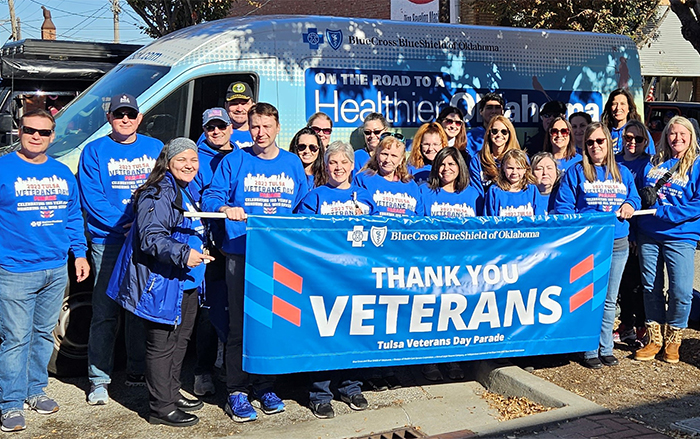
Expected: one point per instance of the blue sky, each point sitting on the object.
(79, 20)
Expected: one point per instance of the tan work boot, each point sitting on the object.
(655, 344)
(672, 342)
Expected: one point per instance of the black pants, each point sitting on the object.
(238, 380)
(165, 351)
(631, 297)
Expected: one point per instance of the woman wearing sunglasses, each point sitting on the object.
(309, 147)
(323, 126)
(632, 317)
(388, 181)
(561, 144)
(428, 141)
(452, 121)
(499, 138)
(669, 238)
(597, 184)
(373, 127)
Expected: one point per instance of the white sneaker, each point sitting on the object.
(203, 385)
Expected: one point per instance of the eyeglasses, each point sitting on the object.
(493, 107)
(318, 130)
(398, 136)
(503, 131)
(591, 142)
(31, 131)
(212, 127)
(637, 139)
(557, 131)
(375, 132)
(431, 145)
(301, 147)
(453, 121)
(120, 114)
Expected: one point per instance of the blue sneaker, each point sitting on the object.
(269, 403)
(239, 409)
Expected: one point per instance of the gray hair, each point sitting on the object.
(339, 147)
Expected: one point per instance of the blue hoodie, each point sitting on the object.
(108, 174)
(578, 195)
(41, 217)
(678, 207)
(475, 140)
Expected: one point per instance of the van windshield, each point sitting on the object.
(79, 120)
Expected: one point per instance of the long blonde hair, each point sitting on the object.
(664, 153)
(488, 161)
(519, 156)
(610, 164)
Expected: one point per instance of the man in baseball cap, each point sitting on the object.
(239, 99)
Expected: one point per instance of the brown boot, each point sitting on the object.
(655, 344)
(672, 342)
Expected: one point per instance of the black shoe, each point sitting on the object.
(188, 405)
(592, 363)
(356, 401)
(176, 418)
(377, 384)
(393, 382)
(431, 372)
(609, 360)
(322, 410)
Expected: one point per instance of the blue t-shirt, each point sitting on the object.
(108, 174)
(259, 186)
(678, 207)
(361, 159)
(564, 164)
(420, 175)
(196, 240)
(526, 202)
(475, 140)
(392, 198)
(41, 217)
(578, 195)
(327, 200)
(438, 202)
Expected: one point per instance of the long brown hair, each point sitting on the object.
(462, 180)
(570, 151)
(461, 138)
(318, 168)
(488, 161)
(521, 159)
(607, 116)
(611, 169)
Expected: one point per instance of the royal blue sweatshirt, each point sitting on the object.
(578, 195)
(565, 164)
(476, 175)
(392, 198)
(678, 207)
(239, 139)
(41, 217)
(437, 202)
(420, 175)
(637, 167)
(361, 159)
(209, 159)
(475, 140)
(327, 200)
(616, 136)
(526, 202)
(259, 186)
(108, 174)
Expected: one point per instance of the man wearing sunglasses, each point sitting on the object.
(41, 224)
(550, 111)
(490, 105)
(109, 171)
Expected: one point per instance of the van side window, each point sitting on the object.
(168, 119)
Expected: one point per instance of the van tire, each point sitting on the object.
(69, 357)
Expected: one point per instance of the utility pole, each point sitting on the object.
(115, 10)
(13, 20)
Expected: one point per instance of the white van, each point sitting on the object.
(349, 67)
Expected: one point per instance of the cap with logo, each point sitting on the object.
(216, 113)
(123, 101)
(238, 90)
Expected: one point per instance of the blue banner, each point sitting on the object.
(325, 293)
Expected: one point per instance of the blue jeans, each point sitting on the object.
(105, 323)
(617, 266)
(320, 391)
(679, 258)
(29, 308)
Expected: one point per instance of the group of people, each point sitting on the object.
(161, 265)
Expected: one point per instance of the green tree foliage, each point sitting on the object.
(164, 16)
(626, 17)
(688, 12)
